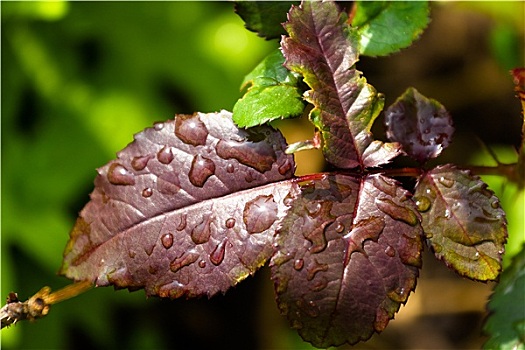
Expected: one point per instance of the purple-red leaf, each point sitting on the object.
(378, 153)
(348, 256)
(463, 221)
(324, 49)
(421, 125)
(190, 207)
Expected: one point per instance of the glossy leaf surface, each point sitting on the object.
(463, 221)
(272, 94)
(324, 49)
(386, 27)
(185, 209)
(348, 256)
(264, 17)
(506, 325)
(421, 125)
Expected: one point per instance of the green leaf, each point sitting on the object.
(463, 221)
(264, 17)
(272, 94)
(506, 324)
(386, 27)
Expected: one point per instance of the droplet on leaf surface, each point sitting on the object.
(396, 211)
(167, 240)
(165, 155)
(191, 130)
(260, 214)
(217, 255)
(422, 204)
(139, 163)
(201, 169)
(119, 175)
(147, 192)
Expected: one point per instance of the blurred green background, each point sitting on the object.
(80, 78)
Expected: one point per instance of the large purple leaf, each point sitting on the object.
(422, 125)
(463, 221)
(348, 255)
(190, 207)
(324, 49)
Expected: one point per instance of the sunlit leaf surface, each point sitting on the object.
(348, 256)
(163, 217)
(463, 221)
(272, 94)
(386, 27)
(322, 48)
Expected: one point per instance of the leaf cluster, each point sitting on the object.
(195, 205)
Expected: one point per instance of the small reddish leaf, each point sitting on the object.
(379, 153)
(190, 207)
(421, 125)
(348, 256)
(324, 49)
(463, 221)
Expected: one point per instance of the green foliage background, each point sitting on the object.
(80, 78)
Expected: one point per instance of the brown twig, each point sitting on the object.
(38, 305)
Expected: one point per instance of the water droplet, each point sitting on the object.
(314, 269)
(446, 181)
(217, 256)
(132, 254)
(399, 295)
(390, 251)
(167, 240)
(429, 234)
(201, 169)
(257, 155)
(311, 309)
(430, 192)
(339, 227)
(149, 249)
(230, 223)
(447, 214)
(298, 264)
(313, 208)
(249, 177)
(396, 211)
(422, 203)
(139, 163)
(119, 175)
(202, 232)
(259, 214)
(191, 130)
(165, 155)
(319, 284)
(495, 204)
(147, 192)
(285, 167)
(230, 168)
(158, 126)
(288, 200)
(181, 223)
(185, 259)
(476, 255)
(202, 264)
(437, 248)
